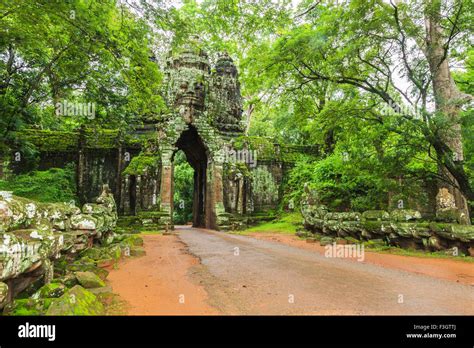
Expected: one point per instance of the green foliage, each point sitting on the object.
(285, 224)
(339, 185)
(183, 189)
(328, 79)
(465, 81)
(268, 150)
(353, 182)
(316, 74)
(47, 140)
(76, 51)
(230, 26)
(53, 185)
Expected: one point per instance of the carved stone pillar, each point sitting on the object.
(215, 215)
(166, 190)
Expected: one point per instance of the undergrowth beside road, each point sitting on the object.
(287, 223)
(52, 185)
(151, 232)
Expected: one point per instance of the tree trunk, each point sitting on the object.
(446, 102)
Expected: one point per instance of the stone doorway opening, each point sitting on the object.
(191, 144)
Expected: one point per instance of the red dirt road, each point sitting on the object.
(457, 271)
(158, 283)
(220, 273)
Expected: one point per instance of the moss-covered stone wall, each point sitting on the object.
(255, 185)
(132, 168)
(405, 228)
(33, 235)
(101, 156)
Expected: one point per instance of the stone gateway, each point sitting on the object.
(235, 175)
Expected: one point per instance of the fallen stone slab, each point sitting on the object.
(76, 301)
(89, 280)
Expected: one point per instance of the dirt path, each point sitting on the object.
(244, 275)
(453, 270)
(158, 283)
(221, 273)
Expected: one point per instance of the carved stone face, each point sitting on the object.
(194, 89)
(189, 91)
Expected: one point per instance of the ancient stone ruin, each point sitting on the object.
(401, 227)
(236, 177)
(237, 180)
(47, 247)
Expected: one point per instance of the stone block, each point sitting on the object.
(76, 301)
(89, 280)
(326, 241)
(404, 215)
(376, 215)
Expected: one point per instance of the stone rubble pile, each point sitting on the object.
(402, 227)
(52, 251)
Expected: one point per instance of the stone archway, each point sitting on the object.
(208, 205)
(205, 113)
(197, 156)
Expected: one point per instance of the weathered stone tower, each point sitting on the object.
(203, 118)
(205, 113)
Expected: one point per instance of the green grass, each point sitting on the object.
(151, 232)
(286, 224)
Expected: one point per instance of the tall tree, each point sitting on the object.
(398, 56)
(448, 98)
(79, 51)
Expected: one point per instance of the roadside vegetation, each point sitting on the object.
(311, 73)
(287, 223)
(53, 185)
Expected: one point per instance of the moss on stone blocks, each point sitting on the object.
(27, 307)
(34, 234)
(143, 163)
(76, 301)
(134, 140)
(403, 227)
(89, 280)
(269, 151)
(264, 146)
(99, 138)
(50, 290)
(404, 215)
(376, 215)
(50, 141)
(236, 171)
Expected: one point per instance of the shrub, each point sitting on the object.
(52, 185)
